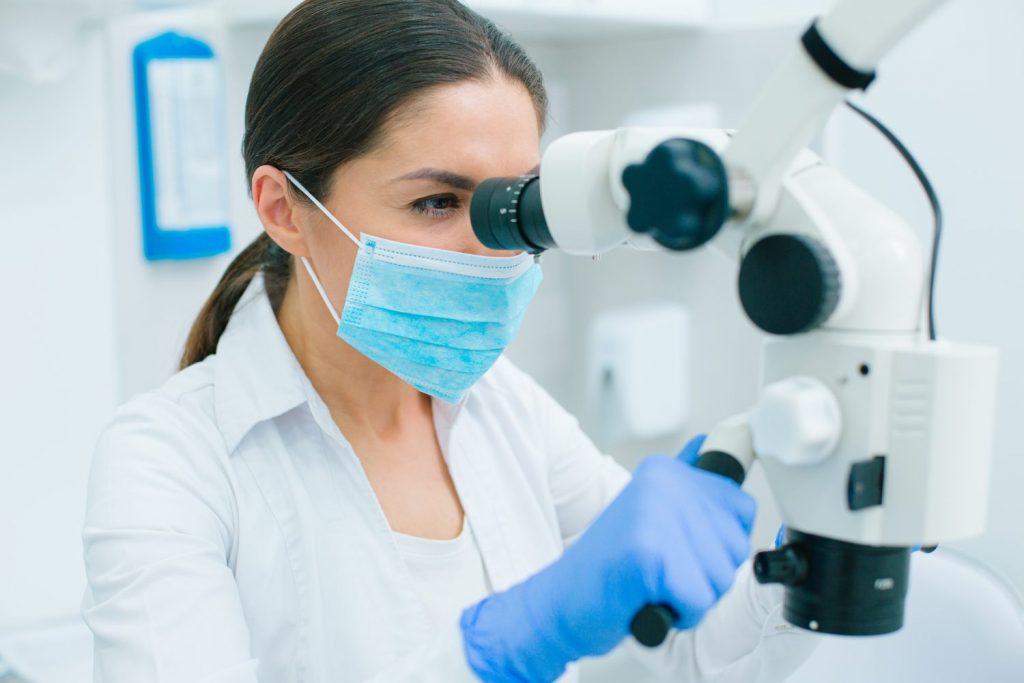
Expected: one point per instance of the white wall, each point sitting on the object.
(100, 323)
(157, 301)
(58, 346)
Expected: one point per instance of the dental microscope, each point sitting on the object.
(875, 436)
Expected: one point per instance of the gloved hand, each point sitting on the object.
(674, 535)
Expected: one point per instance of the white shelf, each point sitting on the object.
(99, 8)
(569, 19)
(537, 19)
(543, 19)
(738, 15)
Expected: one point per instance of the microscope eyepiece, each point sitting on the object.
(506, 213)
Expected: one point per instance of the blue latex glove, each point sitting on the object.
(674, 535)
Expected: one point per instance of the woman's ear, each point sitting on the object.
(278, 210)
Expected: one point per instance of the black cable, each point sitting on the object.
(933, 198)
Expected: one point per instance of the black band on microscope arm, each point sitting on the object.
(834, 66)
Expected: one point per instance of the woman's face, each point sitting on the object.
(417, 185)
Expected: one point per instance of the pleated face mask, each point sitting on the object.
(438, 319)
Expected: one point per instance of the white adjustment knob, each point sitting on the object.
(797, 421)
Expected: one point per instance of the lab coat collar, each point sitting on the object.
(257, 376)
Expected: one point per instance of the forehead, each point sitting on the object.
(475, 127)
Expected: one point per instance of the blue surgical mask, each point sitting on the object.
(438, 319)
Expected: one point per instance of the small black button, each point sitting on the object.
(867, 480)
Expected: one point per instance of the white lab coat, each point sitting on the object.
(232, 535)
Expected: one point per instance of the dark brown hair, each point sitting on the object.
(331, 76)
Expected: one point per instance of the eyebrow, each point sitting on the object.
(459, 182)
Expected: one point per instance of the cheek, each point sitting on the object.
(453, 234)
(403, 225)
(390, 217)
(334, 256)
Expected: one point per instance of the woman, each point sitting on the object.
(346, 481)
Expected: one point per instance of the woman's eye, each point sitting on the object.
(439, 207)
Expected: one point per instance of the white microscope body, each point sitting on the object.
(874, 436)
(883, 388)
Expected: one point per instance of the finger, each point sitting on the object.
(709, 554)
(721, 568)
(732, 536)
(691, 451)
(745, 507)
(691, 598)
(728, 496)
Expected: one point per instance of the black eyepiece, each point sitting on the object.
(506, 213)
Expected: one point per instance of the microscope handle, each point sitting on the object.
(652, 623)
(723, 464)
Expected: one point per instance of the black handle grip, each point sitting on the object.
(721, 463)
(652, 623)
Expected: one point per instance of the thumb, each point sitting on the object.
(691, 451)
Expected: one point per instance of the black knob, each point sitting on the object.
(679, 194)
(789, 284)
(785, 565)
(652, 624)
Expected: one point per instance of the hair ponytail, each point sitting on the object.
(263, 255)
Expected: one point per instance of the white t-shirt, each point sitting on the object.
(449, 573)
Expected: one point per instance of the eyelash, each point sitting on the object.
(421, 206)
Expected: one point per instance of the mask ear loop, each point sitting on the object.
(320, 288)
(322, 208)
(305, 261)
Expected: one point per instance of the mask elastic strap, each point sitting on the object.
(320, 288)
(305, 261)
(323, 208)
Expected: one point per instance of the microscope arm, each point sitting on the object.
(796, 102)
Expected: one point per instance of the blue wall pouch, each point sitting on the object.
(183, 184)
